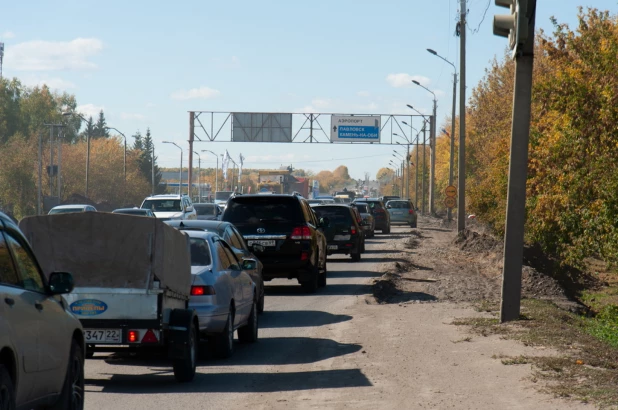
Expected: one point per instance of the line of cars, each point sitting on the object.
(258, 238)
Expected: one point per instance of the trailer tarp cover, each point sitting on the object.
(111, 250)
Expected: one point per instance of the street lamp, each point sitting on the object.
(180, 181)
(199, 177)
(69, 113)
(124, 160)
(216, 169)
(432, 149)
(452, 136)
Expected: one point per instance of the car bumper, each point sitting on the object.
(407, 219)
(342, 247)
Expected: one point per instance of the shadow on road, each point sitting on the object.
(330, 289)
(354, 274)
(387, 251)
(299, 318)
(163, 382)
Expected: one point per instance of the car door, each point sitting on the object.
(22, 319)
(233, 277)
(54, 340)
(244, 281)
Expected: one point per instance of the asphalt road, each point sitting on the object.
(297, 351)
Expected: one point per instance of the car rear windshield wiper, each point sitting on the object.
(274, 220)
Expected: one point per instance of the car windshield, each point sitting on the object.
(65, 210)
(204, 209)
(362, 208)
(262, 209)
(337, 215)
(162, 205)
(399, 204)
(200, 252)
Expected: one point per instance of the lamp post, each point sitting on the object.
(400, 156)
(407, 170)
(216, 169)
(423, 130)
(396, 176)
(199, 177)
(124, 162)
(452, 158)
(432, 150)
(180, 180)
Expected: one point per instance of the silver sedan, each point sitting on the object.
(222, 293)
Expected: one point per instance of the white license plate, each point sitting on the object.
(333, 247)
(342, 237)
(103, 335)
(397, 213)
(263, 243)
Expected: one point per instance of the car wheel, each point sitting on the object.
(224, 341)
(356, 257)
(363, 247)
(249, 332)
(89, 351)
(413, 224)
(260, 305)
(7, 390)
(387, 230)
(72, 394)
(184, 369)
(311, 286)
(322, 278)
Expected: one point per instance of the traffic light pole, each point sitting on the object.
(518, 171)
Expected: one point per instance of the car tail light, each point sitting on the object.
(133, 336)
(150, 337)
(353, 230)
(202, 290)
(300, 233)
(304, 256)
(411, 212)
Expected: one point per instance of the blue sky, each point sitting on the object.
(147, 63)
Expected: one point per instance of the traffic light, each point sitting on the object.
(514, 26)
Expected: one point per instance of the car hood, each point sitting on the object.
(168, 215)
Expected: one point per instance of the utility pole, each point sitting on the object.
(191, 137)
(452, 157)
(461, 191)
(520, 30)
(432, 160)
(152, 166)
(51, 159)
(38, 203)
(416, 173)
(424, 164)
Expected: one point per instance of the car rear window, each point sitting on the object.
(335, 214)
(362, 208)
(263, 209)
(162, 205)
(204, 209)
(399, 204)
(200, 252)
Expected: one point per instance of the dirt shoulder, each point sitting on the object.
(450, 280)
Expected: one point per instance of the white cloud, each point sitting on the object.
(89, 110)
(53, 55)
(363, 94)
(132, 116)
(401, 80)
(151, 105)
(53, 83)
(7, 35)
(195, 93)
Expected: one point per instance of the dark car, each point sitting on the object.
(230, 234)
(207, 212)
(368, 223)
(284, 233)
(134, 211)
(343, 232)
(387, 198)
(380, 215)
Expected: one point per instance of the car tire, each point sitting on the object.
(7, 390)
(184, 369)
(413, 224)
(249, 332)
(356, 257)
(89, 351)
(311, 286)
(260, 304)
(322, 278)
(72, 394)
(363, 247)
(224, 341)
(386, 230)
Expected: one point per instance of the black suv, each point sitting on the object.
(380, 215)
(344, 234)
(284, 233)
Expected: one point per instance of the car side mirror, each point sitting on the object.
(249, 264)
(189, 208)
(60, 283)
(388, 207)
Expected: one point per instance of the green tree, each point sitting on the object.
(100, 128)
